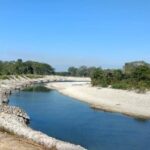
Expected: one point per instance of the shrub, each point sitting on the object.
(121, 85)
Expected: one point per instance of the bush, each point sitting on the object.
(138, 79)
(121, 85)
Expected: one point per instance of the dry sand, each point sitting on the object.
(11, 142)
(126, 102)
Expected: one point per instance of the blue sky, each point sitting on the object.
(63, 33)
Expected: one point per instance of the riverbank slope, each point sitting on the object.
(9, 142)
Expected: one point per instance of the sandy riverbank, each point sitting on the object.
(126, 102)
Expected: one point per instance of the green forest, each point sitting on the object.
(28, 67)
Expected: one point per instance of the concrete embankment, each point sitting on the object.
(14, 119)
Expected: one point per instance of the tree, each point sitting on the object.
(72, 71)
(90, 71)
(117, 75)
(97, 76)
(82, 71)
(141, 73)
(28, 67)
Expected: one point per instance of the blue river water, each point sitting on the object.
(70, 120)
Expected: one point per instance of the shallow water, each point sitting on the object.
(70, 120)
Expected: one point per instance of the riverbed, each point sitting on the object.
(73, 121)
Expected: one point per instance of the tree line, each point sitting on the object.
(134, 75)
(82, 71)
(28, 67)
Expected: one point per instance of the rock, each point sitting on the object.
(15, 111)
(12, 124)
(4, 97)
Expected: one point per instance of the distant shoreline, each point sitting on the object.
(126, 102)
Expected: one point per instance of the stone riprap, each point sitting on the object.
(11, 123)
(15, 111)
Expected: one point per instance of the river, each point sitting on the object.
(70, 120)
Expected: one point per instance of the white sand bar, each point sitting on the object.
(126, 102)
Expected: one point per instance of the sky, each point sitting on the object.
(65, 33)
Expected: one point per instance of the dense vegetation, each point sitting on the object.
(29, 67)
(82, 71)
(135, 75)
